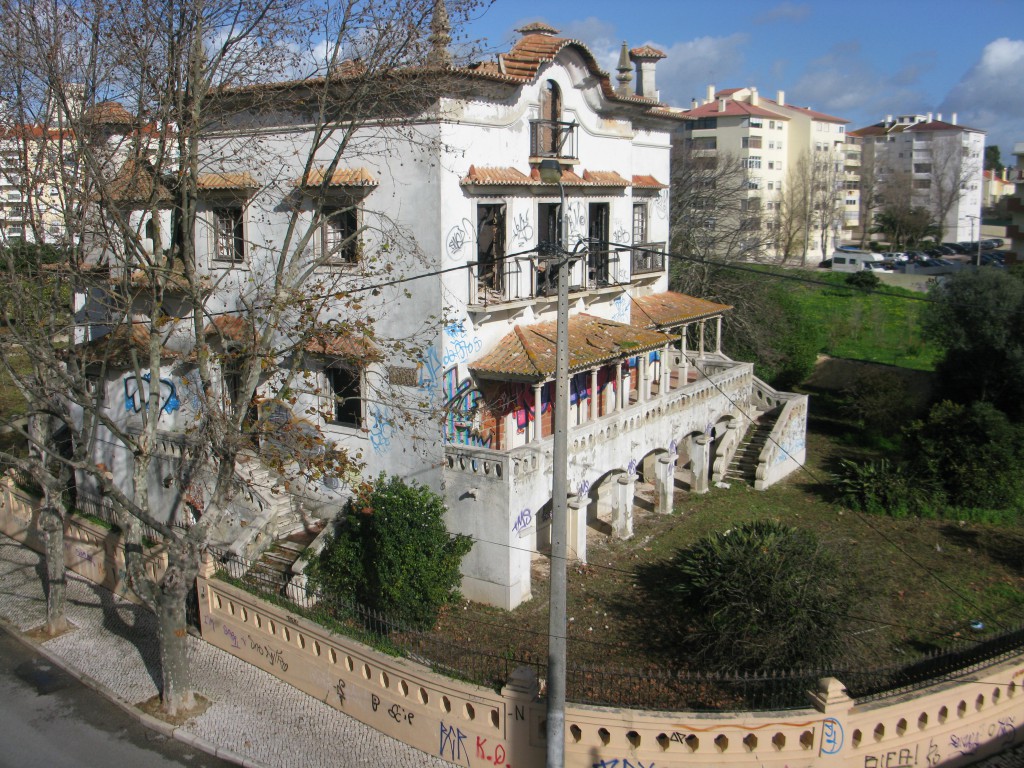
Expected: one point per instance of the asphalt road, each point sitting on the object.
(48, 718)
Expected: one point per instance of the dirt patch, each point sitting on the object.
(40, 635)
(152, 707)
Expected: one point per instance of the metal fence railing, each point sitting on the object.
(654, 689)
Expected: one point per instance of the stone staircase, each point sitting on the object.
(273, 571)
(743, 467)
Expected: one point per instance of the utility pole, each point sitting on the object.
(551, 172)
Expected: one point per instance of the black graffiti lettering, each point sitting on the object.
(374, 701)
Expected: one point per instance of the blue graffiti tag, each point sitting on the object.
(381, 429)
(170, 402)
(429, 370)
(832, 737)
(524, 521)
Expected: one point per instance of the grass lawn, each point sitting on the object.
(882, 326)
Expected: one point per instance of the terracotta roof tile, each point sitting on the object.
(646, 52)
(605, 179)
(664, 310)
(117, 346)
(815, 115)
(732, 109)
(214, 181)
(347, 346)
(537, 26)
(528, 352)
(229, 327)
(137, 182)
(342, 177)
(108, 113)
(940, 125)
(492, 175)
(647, 182)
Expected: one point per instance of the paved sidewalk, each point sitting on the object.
(254, 720)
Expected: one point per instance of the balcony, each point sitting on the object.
(553, 138)
(512, 280)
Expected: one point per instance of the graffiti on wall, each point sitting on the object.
(459, 239)
(575, 222)
(463, 419)
(620, 309)
(428, 370)
(794, 437)
(137, 390)
(661, 204)
(522, 230)
(381, 428)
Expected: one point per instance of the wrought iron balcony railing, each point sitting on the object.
(553, 138)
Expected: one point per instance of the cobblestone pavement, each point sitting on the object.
(255, 719)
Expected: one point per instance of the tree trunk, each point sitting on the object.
(177, 694)
(52, 525)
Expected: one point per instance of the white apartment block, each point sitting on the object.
(30, 197)
(1016, 206)
(775, 140)
(941, 162)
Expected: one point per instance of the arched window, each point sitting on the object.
(551, 114)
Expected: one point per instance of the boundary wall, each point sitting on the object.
(950, 724)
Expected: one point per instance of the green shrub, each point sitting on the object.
(864, 280)
(762, 595)
(886, 488)
(391, 552)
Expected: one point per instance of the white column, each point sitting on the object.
(593, 395)
(537, 430)
(684, 369)
(701, 354)
(665, 372)
(618, 387)
(664, 484)
(718, 335)
(645, 380)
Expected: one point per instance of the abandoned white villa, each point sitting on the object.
(457, 210)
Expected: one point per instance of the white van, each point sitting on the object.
(855, 261)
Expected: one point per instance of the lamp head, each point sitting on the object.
(550, 171)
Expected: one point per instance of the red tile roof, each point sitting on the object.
(668, 309)
(108, 113)
(138, 182)
(941, 125)
(342, 177)
(647, 182)
(117, 346)
(605, 179)
(492, 175)
(814, 115)
(646, 52)
(348, 346)
(732, 109)
(528, 352)
(229, 328)
(214, 181)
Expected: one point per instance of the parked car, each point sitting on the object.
(957, 248)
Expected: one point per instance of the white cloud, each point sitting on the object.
(784, 12)
(990, 96)
(693, 65)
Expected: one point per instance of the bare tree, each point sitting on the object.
(718, 216)
(826, 185)
(164, 106)
(950, 173)
(793, 217)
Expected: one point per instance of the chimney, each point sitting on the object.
(939, 117)
(625, 71)
(440, 37)
(755, 100)
(780, 98)
(953, 118)
(930, 117)
(711, 95)
(722, 104)
(646, 58)
(888, 120)
(693, 103)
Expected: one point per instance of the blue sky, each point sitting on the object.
(860, 60)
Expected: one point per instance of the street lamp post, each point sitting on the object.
(550, 173)
(978, 218)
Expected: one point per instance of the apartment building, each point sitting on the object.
(31, 203)
(1015, 206)
(787, 150)
(926, 162)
